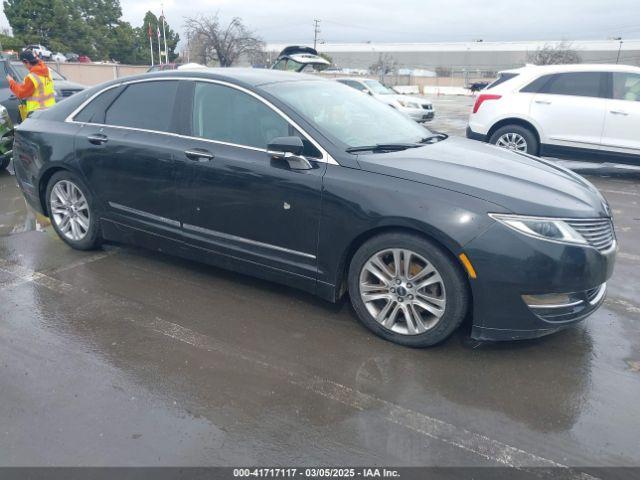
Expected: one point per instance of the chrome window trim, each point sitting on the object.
(326, 157)
(226, 236)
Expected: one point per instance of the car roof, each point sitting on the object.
(574, 67)
(248, 76)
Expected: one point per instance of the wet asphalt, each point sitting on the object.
(126, 357)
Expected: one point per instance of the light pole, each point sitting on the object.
(316, 32)
(619, 39)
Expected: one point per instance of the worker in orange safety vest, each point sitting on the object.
(37, 90)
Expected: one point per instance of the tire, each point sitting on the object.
(517, 132)
(447, 284)
(77, 212)
(4, 162)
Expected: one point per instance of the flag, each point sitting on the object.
(149, 31)
(158, 29)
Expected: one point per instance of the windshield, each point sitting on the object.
(377, 88)
(346, 115)
(22, 71)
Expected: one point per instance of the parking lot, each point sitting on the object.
(130, 357)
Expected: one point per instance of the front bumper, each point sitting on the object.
(419, 114)
(510, 265)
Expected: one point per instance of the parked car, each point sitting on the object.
(419, 109)
(58, 57)
(296, 58)
(6, 138)
(589, 112)
(39, 50)
(164, 66)
(176, 66)
(309, 183)
(84, 59)
(63, 87)
(72, 57)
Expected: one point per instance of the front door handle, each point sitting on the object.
(199, 155)
(543, 102)
(98, 139)
(619, 112)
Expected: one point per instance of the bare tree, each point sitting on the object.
(224, 44)
(554, 54)
(385, 65)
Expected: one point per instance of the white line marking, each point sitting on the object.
(629, 256)
(628, 306)
(462, 438)
(621, 192)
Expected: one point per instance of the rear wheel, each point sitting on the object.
(515, 137)
(72, 211)
(408, 290)
(4, 162)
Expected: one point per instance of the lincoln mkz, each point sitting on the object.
(309, 183)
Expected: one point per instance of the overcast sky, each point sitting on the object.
(411, 20)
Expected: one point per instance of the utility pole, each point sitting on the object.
(316, 32)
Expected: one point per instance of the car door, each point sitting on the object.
(7, 98)
(125, 150)
(622, 119)
(237, 199)
(570, 109)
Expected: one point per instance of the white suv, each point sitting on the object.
(39, 50)
(589, 112)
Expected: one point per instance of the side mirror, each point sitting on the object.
(289, 149)
(278, 147)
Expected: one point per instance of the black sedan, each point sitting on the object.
(307, 182)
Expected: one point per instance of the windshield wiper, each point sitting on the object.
(383, 147)
(436, 137)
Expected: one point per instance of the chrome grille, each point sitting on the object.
(598, 232)
(427, 106)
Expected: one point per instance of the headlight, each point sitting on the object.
(551, 229)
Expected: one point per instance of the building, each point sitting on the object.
(473, 57)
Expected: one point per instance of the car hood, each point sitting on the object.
(410, 98)
(519, 183)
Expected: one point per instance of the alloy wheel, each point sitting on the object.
(512, 141)
(70, 210)
(402, 291)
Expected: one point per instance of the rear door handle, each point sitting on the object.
(199, 155)
(619, 112)
(543, 102)
(98, 139)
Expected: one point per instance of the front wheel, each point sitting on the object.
(72, 211)
(407, 289)
(515, 137)
(4, 162)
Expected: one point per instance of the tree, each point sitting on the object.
(561, 53)
(41, 21)
(385, 65)
(225, 45)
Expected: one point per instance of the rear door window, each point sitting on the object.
(145, 106)
(95, 110)
(582, 84)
